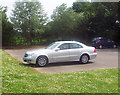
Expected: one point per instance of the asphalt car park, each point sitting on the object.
(106, 58)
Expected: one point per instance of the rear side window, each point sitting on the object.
(74, 46)
(101, 40)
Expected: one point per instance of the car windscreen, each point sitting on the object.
(52, 46)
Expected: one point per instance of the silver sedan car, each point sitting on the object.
(61, 51)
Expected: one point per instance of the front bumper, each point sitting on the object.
(28, 59)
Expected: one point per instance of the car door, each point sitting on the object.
(110, 43)
(105, 42)
(62, 55)
(75, 51)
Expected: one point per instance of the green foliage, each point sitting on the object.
(64, 22)
(82, 22)
(19, 78)
(100, 19)
(7, 28)
(29, 19)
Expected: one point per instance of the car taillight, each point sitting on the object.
(94, 50)
(96, 42)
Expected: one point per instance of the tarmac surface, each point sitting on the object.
(106, 58)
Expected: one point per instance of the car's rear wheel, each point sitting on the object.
(114, 46)
(42, 61)
(84, 58)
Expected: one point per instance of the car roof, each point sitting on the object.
(67, 42)
(61, 42)
(98, 38)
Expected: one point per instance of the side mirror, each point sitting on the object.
(57, 49)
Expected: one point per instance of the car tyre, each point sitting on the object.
(114, 46)
(100, 46)
(84, 59)
(42, 61)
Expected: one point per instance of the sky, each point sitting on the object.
(47, 5)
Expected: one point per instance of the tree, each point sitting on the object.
(7, 28)
(29, 19)
(100, 19)
(64, 22)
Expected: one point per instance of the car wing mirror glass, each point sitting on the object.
(57, 49)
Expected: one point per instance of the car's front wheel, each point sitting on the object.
(42, 61)
(84, 58)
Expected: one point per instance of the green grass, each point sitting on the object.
(22, 79)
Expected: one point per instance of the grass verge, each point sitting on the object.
(18, 78)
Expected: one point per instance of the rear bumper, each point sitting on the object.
(93, 56)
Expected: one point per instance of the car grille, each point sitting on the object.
(26, 55)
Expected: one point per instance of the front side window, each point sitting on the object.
(52, 46)
(74, 46)
(64, 46)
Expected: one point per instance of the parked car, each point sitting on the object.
(61, 51)
(100, 42)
